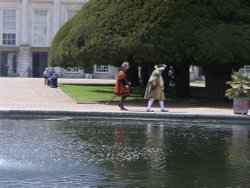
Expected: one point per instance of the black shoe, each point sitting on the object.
(124, 109)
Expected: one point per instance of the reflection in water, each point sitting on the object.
(155, 145)
(238, 157)
(40, 153)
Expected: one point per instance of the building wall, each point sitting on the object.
(104, 71)
(35, 24)
(245, 69)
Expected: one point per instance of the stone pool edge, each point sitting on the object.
(119, 115)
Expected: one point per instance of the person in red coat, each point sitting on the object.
(122, 85)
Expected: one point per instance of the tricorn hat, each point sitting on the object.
(160, 66)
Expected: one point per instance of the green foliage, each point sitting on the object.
(240, 86)
(208, 32)
(224, 44)
(55, 56)
(201, 32)
(109, 32)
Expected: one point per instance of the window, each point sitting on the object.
(9, 27)
(71, 13)
(73, 69)
(102, 68)
(40, 28)
(245, 69)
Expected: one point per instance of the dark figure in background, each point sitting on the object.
(122, 85)
(168, 77)
(50, 77)
(54, 78)
(51, 71)
(29, 72)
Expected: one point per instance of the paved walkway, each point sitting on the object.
(31, 94)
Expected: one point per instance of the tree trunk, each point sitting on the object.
(145, 74)
(132, 76)
(181, 80)
(166, 79)
(216, 78)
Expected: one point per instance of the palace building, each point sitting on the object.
(27, 28)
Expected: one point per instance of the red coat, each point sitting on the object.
(121, 82)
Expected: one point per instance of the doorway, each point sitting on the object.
(8, 63)
(40, 62)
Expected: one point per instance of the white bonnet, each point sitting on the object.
(124, 64)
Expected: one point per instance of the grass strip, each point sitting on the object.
(95, 92)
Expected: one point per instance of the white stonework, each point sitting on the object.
(27, 42)
(23, 63)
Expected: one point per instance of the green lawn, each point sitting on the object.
(94, 92)
(90, 93)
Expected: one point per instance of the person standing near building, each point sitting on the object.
(155, 88)
(29, 72)
(122, 88)
(46, 75)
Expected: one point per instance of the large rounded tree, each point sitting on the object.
(212, 34)
(110, 32)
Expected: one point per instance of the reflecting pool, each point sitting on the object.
(100, 153)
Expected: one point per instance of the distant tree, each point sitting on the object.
(212, 34)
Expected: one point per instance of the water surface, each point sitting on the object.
(100, 153)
